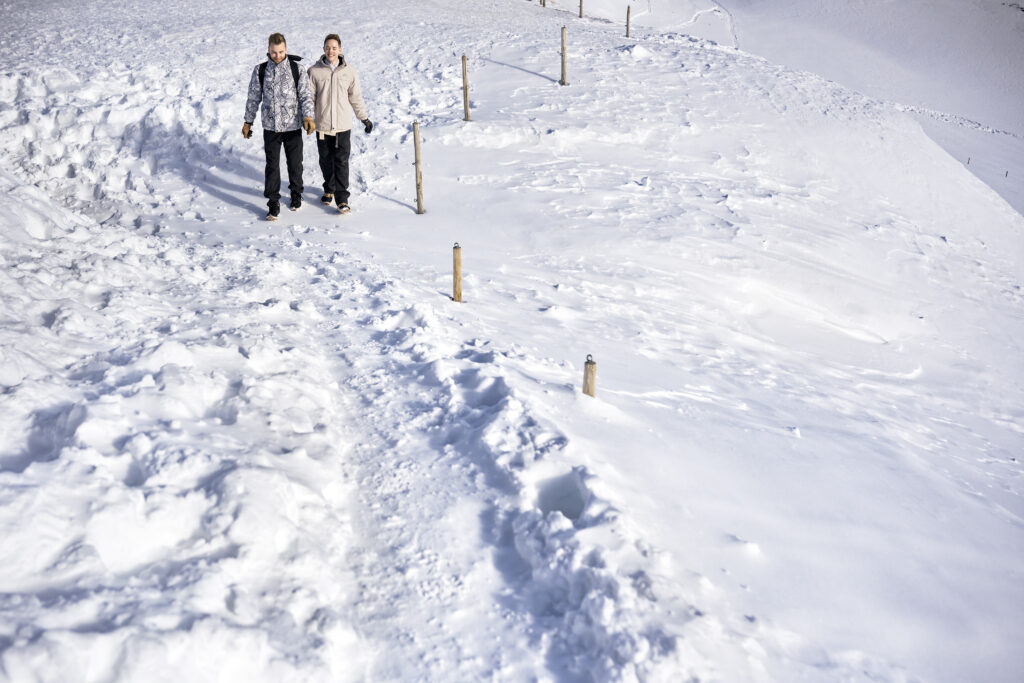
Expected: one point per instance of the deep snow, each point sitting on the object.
(241, 451)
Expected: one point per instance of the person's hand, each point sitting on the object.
(367, 126)
(308, 124)
(246, 130)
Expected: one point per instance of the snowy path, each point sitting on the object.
(284, 442)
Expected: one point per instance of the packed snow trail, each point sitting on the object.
(240, 499)
(286, 444)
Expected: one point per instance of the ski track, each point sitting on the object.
(253, 448)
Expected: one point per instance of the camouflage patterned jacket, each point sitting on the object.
(281, 110)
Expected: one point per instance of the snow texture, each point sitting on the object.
(233, 450)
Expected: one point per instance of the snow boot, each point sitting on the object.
(296, 203)
(327, 198)
(343, 208)
(273, 210)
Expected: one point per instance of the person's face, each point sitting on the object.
(277, 52)
(332, 50)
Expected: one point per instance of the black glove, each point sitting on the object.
(367, 126)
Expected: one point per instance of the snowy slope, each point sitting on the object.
(955, 64)
(240, 451)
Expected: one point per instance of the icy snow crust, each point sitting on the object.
(234, 450)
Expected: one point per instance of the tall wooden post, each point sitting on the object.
(589, 376)
(565, 78)
(457, 273)
(581, 9)
(419, 167)
(465, 86)
(628, 8)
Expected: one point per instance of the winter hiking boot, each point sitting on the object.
(327, 198)
(273, 210)
(343, 208)
(296, 203)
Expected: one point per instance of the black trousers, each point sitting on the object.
(334, 151)
(272, 142)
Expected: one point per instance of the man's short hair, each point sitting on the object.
(333, 36)
(276, 39)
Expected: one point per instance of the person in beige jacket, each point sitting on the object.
(336, 94)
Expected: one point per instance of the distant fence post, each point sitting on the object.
(465, 86)
(565, 77)
(581, 9)
(628, 8)
(419, 167)
(590, 376)
(457, 273)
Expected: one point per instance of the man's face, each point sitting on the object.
(277, 52)
(332, 49)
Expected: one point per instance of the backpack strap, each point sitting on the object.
(295, 74)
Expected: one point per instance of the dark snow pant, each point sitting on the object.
(334, 151)
(292, 141)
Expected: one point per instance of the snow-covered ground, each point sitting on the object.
(234, 450)
(954, 64)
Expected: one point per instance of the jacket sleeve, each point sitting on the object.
(305, 95)
(252, 102)
(355, 97)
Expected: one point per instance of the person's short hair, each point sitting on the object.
(332, 36)
(276, 39)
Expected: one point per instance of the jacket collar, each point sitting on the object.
(341, 61)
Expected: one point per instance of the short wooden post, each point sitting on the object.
(457, 273)
(589, 376)
(565, 77)
(465, 86)
(419, 167)
(581, 9)
(543, 3)
(628, 8)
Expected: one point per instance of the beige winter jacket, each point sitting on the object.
(336, 93)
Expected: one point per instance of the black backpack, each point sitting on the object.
(294, 61)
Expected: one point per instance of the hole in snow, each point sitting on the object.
(565, 494)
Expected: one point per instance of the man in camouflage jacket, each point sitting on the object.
(287, 108)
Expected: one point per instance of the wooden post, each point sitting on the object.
(581, 9)
(457, 273)
(628, 8)
(465, 86)
(589, 376)
(419, 167)
(565, 79)
(543, 3)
